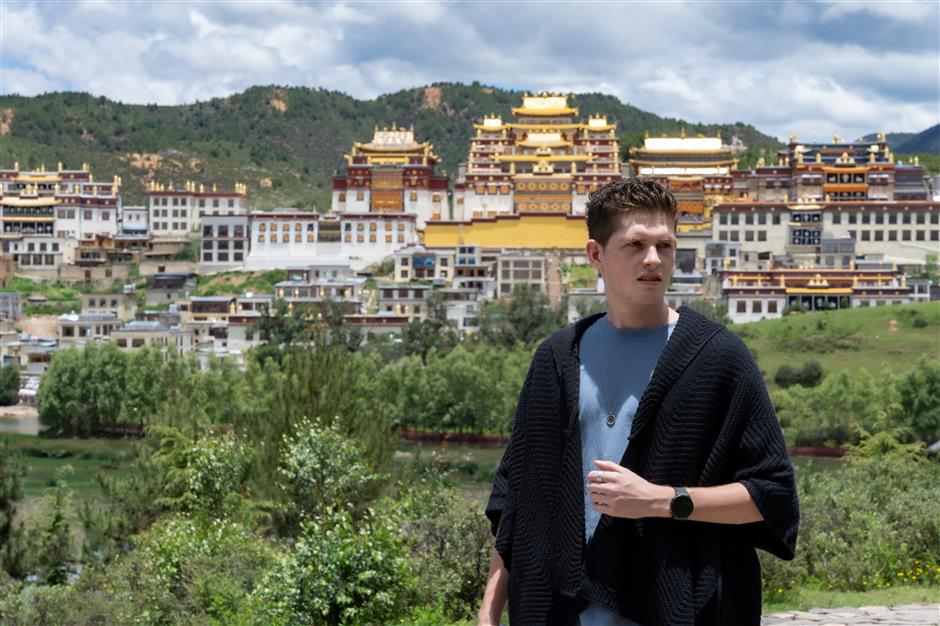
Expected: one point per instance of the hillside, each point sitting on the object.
(283, 142)
(885, 338)
(925, 142)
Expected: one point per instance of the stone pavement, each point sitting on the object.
(903, 615)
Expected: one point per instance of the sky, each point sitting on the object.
(813, 69)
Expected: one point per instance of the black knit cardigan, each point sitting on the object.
(705, 419)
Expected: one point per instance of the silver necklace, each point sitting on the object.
(611, 417)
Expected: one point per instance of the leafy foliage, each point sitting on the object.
(9, 384)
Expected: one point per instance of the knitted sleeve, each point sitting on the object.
(500, 497)
(761, 462)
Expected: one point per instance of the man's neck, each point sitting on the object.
(640, 316)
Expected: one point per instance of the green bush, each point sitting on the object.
(339, 572)
(872, 524)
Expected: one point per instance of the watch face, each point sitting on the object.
(681, 506)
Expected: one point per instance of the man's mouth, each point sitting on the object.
(649, 278)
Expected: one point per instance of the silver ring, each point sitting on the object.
(600, 476)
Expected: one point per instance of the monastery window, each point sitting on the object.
(360, 226)
(388, 238)
(206, 245)
(401, 238)
(207, 256)
(866, 218)
(176, 201)
(436, 198)
(238, 244)
(261, 237)
(71, 214)
(921, 218)
(87, 214)
(757, 306)
(373, 227)
(413, 196)
(360, 238)
(935, 235)
(262, 226)
(202, 203)
(372, 238)
(853, 218)
(231, 203)
(749, 235)
(837, 218)
(742, 306)
(388, 226)
(749, 219)
(772, 306)
(342, 196)
(762, 235)
(935, 218)
(723, 218)
(776, 219)
(905, 235)
(285, 238)
(906, 219)
(854, 235)
(310, 238)
(238, 256)
(879, 235)
(298, 238)
(892, 235)
(55, 247)
(215, 203)
(223, 257)
(866, 235)
(735, 236)
(920, 235)
(206, 231)
(298, 227)
(285, 227)
(879, 218)
(761, 218)
(401, 227)
(360, 196)
(734, 219)
(348, 238)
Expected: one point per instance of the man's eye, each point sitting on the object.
(665, 245)
(634, 244)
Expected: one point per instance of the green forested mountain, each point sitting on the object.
(283, 142)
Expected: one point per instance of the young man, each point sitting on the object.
(646, 463)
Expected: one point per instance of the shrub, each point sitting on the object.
(786, 376)
(874, 523)
(338, 573)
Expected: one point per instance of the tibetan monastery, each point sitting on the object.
(698, 171)
(391, 174)
(543, 161)
(62, 203)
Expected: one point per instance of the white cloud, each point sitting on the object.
(782, 67)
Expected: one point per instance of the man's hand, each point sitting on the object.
(618, 492)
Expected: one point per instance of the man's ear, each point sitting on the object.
(593, 250)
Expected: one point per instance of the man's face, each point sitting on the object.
(638, 259)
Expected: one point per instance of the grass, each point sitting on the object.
(581, 276)
(865, 338)
(47, 459)
(236, 283)
(803, 599)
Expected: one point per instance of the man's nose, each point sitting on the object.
(652, 257)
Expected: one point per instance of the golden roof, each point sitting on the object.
(28, 202)
(545, 104)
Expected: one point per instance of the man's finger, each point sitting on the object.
(608, 466)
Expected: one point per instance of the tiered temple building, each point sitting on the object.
(392, 174)
(543, 161)
(698, 171)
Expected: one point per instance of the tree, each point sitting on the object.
(433, 333)
(930, 267)
(715, 311)
(11, 491)
(525, 318)
(9, 384)
(920, 400)
(54, 549)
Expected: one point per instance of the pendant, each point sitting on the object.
(611, 420)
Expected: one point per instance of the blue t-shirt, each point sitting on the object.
(616, 366)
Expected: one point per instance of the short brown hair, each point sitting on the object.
(625, 196)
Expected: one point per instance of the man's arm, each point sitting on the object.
(619, 492)
(495, 592)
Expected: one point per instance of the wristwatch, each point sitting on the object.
(681, 504)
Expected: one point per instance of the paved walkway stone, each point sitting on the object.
(903, 615)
